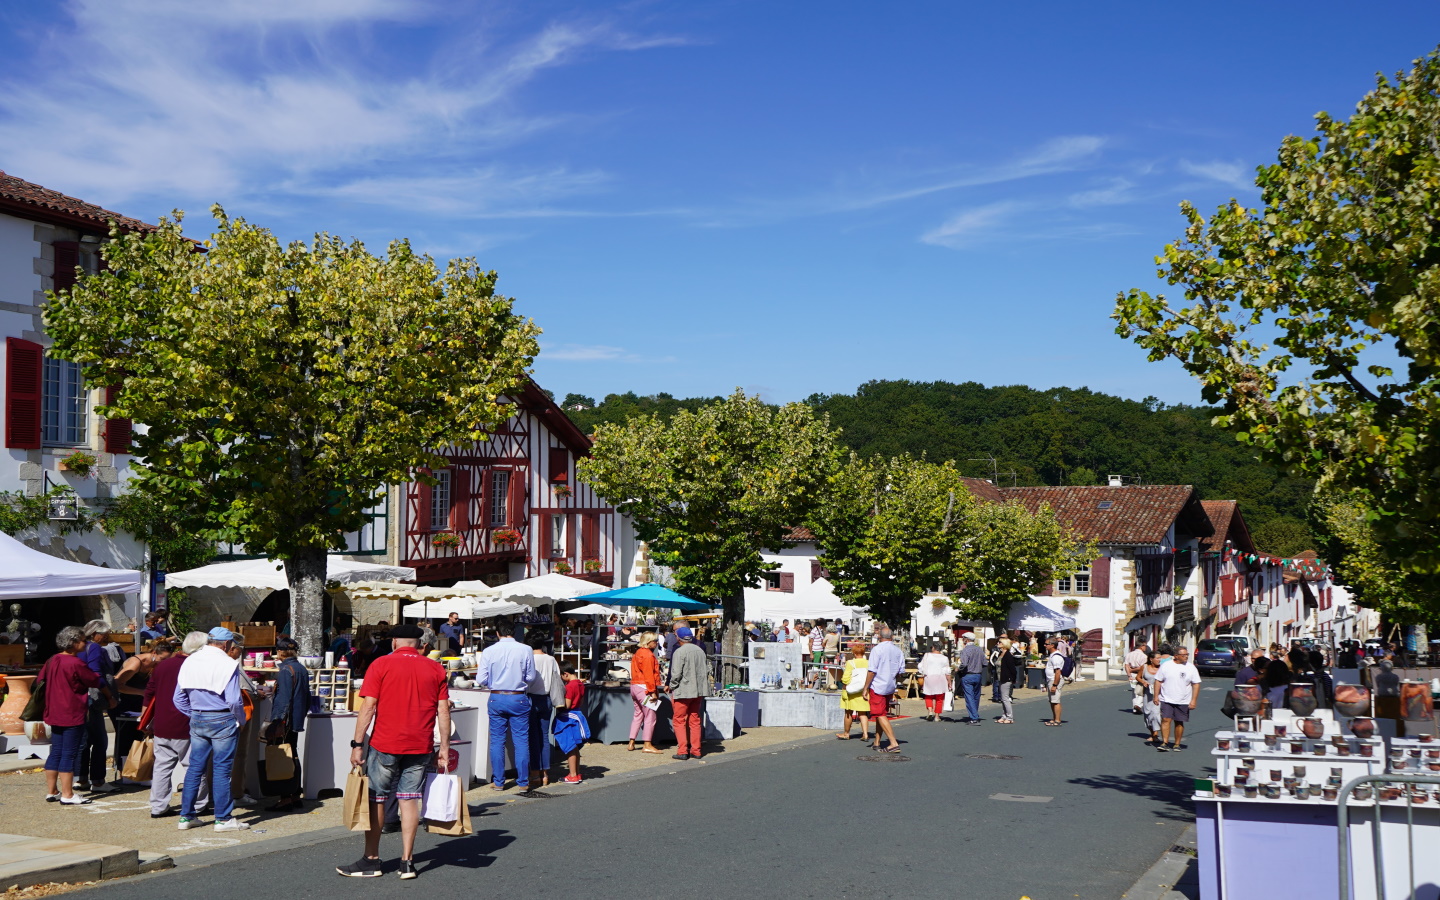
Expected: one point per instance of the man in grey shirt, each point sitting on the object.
(689, 685)
(972, 675)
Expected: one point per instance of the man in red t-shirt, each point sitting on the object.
(405, 694)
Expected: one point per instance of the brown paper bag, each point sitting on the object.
(280, 764)
(356, 814)
(458, 828)
(140, 761)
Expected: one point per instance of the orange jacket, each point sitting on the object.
(645, 669)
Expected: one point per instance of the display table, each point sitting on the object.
(324, 750)
(610, 709)
(475, 729)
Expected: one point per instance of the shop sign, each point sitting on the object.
(1260, 610)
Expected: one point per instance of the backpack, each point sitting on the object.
(1068, 667)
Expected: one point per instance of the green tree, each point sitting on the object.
(712, 488)
(572, 400)
(1007, 553)
(283, 386)
(1283, 537)
(1313, 317)
(1361, 563)
(1082, 477)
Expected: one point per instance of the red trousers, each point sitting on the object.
(935, 703)
(687, 724)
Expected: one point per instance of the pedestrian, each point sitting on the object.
(151, 630)
(1251, 672)
(287, 718)
(169, 730)
(832, 644)
(972, 676)
(936, 680)
(574, 699)
(208, 691)
(68, 683)
(343, 644)
(506, 667)
(853, 701)
(406, 697)
(1151, 700)
(1275, 680)
(887, 661)
(94, 753)
(1011, 665)
(1134, 661)
(689, 685)
(249, 693)
(992, 664)
(817, 645)
(644, 692)
(546, 693)
(130, 683)
(785, 634)
(1178, 684)
(454, 633)
(1054, 678)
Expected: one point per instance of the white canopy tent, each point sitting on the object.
(26, 573)
(817, 601)
(1032, 615)
(467, 607)
(595, 609)
(538, 591)
(270, 574)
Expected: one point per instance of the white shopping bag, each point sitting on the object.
(441, 802)
(949, 701)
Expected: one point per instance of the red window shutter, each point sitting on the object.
(24, 378)
(787, 582)
(117, 431)
(67, 257)
(1100, 577)
(485, 488)
(569, 537)
(515, 503)
(459, 500)
(814, 570)
(559, 465)
(1046, 591)
(590, 536)
(423, 493)
(545, 537)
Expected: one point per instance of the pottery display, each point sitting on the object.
(14, 704)
(1415, 702)
(1362, 727)
(1247, 699)
(1352, 700)
(1312, 728)
(1300, 699)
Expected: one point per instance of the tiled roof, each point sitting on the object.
(1229, 526)
(983, 489)
(799, 536)
(18, 195)
(1136, 514)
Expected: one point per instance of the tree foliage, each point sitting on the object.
(1007, 554)
(283, 386)
(1361, 563)
(617, 409)
(1313, 317)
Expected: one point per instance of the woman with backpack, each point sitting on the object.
(853, 701)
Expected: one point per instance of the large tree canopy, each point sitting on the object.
(1314, 317)
(283, 386)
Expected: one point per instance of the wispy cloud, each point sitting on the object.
(1236, 175)
(596, 353)
(1115, 192)
(964, 227)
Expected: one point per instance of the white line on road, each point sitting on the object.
(1021, 798)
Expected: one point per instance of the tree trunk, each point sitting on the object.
(732, 640)
(306, 573)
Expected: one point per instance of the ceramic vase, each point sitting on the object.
(1363, 727)
(1247, 699)
(1312, 728)
(14, 704)
(1352, 700)
(1300, 699)
(1415, 702)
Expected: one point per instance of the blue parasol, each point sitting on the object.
(652, 595)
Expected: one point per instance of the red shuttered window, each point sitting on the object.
(590, 536)
(67, 257)
(420, 524)
(559, 465)
(24, 368)
(787, 582)
(515, 505)
(459, 501)
(1100, 577)
(117, 431)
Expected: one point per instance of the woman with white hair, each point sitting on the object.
(68, 683)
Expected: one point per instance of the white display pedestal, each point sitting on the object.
(325, 750)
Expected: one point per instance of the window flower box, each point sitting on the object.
(563, 490)
(80, 463)
(591, 566)
(505, 537)
(446, 540)
(561, 568)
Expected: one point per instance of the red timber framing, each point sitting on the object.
(531, 459)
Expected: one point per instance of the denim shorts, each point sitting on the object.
(401, 774)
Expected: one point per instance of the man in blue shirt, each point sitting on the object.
(506, 667)
(887, 661)
(207, 690)
(455, 633)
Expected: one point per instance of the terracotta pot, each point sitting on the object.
(1415, 702)
(1312, 728)
(14, 704)
(1362, 727)
(1352, 700)
(1245, 705)
(1300, 699)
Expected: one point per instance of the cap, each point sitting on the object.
(684, 634)
(406, 631)
(967, 635)
(221, 634)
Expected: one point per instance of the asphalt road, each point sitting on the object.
(1097, 809)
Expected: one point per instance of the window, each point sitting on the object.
(440, 502)
(499, 498)
(779, 581)
(1079, 583)
(557, 536)
(65, 404)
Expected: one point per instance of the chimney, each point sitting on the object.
(1117, 480)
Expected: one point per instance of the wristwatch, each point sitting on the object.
(356, 745)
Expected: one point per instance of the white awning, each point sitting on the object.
(817, 601)
(1034, 615)
(466, 607)
(25, 572)
(270, 573)
(538, 591)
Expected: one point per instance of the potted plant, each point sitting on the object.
(445, 540)
(1071, 604)
(79, 462)
(591, 566)
(564, 490)
(561, 568)
(505, 536)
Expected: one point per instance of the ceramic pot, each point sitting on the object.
(1247, 699)
(1312, 728)
(1415, 702)
(1352, 700)
(1362, 727)
(14, 704)
(1300, 699)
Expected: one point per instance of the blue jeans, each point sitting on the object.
(971, 685)
(213, 736)
(510, 714)
(65, 743)
(90, 764)
(540, 714)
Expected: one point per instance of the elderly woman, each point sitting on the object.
(68, 683)
(1010, 669)
(853, 700)
(644, 689)
(90, 771)
(287, 717)
(934, 668)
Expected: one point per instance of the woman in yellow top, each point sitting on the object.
(854, 703)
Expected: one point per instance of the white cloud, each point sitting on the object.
(1116, 191)
(1235, 174)
(964, 227)
(595, 353)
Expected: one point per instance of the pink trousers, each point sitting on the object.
(643, 721)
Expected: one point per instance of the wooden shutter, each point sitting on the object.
(24, 383)
(515, 503)
(569, 547)
(545, 537)
(485, 487)
(1100, 577)
(67, 257)
(459, 500)
(559, 465)
(787, 582)
(590, 536)
(117, 431)
(1046, 591)
(423, 494)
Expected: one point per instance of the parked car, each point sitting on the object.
(1219, 656)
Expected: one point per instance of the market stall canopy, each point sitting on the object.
(25, 572)
(817, 601)
(594, 609)
(270, 573)
(652, 595)
(467, 607)
(538, 591)
(1032, 615)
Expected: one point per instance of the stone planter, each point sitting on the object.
(15, 700)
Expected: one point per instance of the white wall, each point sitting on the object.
(793, 558)
(18, 250)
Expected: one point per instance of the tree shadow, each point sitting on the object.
(474, 852)
(1170, 787)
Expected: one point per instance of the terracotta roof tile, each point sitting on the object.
(1137, 514)
(983, 489)
(799, 535)
(19, 195)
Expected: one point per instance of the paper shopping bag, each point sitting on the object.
(280, 763)
(441, 802)
(140, 761)
(356, 814)
(459, 828)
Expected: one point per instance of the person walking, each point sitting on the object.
(853, 701)
(208, 691)
(240, 771)
(1012, 665)
(886, 663)
(68, 683)
(287, 718)
(688, 686)
(1054, 678)
(546, 692)
(1135, 660)
(971, 669)
(1150, 706)
(1178, 684)
(169, 729)
(644, 692)
(506, 667)
(93, 765)
(574, 700)
(406, 697)
(936, 680)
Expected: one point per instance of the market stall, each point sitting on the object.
(232, 590)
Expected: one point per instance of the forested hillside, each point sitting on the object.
(1056, 436)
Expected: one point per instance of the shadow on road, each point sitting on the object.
(475, 852)
(1170, 787)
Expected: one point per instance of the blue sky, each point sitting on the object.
(688, 197)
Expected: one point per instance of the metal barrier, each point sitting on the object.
(1377, 843)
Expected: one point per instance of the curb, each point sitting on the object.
(1159, 880)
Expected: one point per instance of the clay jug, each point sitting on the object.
(1300, 699)
(1363, 727)
(1415, 702)
(1352, 700)
(1312, 728)
(14, 704)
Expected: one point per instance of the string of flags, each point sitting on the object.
(1302, 565)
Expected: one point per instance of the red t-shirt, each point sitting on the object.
(67, 683)
(574, 693)
(407, 688)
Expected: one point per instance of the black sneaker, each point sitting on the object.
(1163, 748)
(407, 869)
(390, 828)
(364, 868)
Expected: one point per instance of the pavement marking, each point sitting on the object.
(884, 757)
(204, 843)
(989, 756)
(100, 807)
(1021, 798)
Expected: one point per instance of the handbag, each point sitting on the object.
(1227, 708)
(34, 710)
(279, 762)
(276, 730)
(140, 761)
(856, 684)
